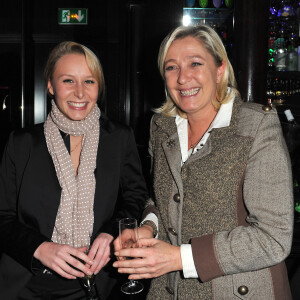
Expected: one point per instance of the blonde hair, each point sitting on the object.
(211, 41)
(69, 47)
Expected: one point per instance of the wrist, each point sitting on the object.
(151, 226)
(145, 232)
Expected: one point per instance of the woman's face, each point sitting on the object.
(74, 88)
(192, 76)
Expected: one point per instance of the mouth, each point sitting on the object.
(77, 105)
(190, 92)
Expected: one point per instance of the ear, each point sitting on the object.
(50, 88)
(220, 72)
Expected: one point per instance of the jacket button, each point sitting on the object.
(176, 198)
(172, 231)
(243, 290)
(169, 290)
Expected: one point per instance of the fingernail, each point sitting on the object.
(115, 264)
(90, 273)
(116, 253)
(91, 262)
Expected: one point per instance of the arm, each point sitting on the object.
(17, 240)
(268, 198)
(133, 191)
(132, 197)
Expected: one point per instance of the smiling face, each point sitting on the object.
(191, 76)
(74, 88)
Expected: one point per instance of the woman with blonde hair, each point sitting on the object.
(222, 201)
(59, 186)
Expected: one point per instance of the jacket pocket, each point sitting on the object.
(256, 285)
(253, 285)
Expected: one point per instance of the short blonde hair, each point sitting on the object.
(70, 47)
(213, 44)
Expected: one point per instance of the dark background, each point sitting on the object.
(126, 35)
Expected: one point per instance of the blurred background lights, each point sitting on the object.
(186, 20)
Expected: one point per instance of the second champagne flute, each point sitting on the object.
(128, 235)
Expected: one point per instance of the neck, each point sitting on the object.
(197, 126)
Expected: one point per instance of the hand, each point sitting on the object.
(143, 232)
(100, 252)
(154, 259)
(63, 259)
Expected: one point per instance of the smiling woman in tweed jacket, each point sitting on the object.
(222, 186)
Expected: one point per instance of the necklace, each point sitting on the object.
(193, 144)
(76, 146)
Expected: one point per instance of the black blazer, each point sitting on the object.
(30, 196)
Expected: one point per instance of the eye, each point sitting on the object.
(196, 64)
(90, 81)
(68, 80)
(170, 68)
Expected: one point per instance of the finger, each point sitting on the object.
(132, 252)
(64, 274)
(147, 242)
(66, 270)
(76, 254)
(101, 257)
(132, 263)
(116, 244)
(83, 249)
(78, 266)
(140, 276)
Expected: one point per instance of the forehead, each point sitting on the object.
(72, 62)
(186, 44)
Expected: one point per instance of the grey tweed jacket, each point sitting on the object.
(232, 201)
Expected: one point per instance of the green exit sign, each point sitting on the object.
(72, 16)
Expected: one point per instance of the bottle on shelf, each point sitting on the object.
(292, 55)
(281, 51)
(190, 3)
(204, 3)
(271, 47)
(289, 116)
(229, 3)
(217, 3)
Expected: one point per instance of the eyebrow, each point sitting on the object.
(189, 57)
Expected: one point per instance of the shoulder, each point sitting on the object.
(251, 115)
(32, 133)
(164, 122)
(256, 108)
(23, 141)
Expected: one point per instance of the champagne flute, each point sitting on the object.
(128, 236)
(88, 283)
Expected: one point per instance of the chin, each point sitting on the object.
(76, 117)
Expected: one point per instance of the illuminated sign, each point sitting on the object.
(72, 16)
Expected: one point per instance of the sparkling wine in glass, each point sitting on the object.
(88, 283)
(128, 235)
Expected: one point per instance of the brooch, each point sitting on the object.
(170, 143)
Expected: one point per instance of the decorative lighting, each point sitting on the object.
(186, 20)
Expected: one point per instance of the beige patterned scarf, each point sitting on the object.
(75, 215)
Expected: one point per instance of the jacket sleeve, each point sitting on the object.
(150, 204)
(267, 192)
(17, 240)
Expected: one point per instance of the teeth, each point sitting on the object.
(77, 104)
(189, 92)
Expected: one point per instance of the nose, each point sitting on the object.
(184, 76)
(79, 90)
